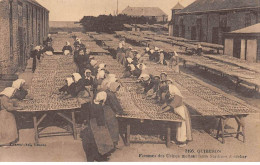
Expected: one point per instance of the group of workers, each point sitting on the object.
(96, 89)
(158, 87)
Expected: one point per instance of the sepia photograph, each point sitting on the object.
(129, 80)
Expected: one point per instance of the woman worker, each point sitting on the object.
(79, 82)
(20, 92)
(111, 108)
(8, 127)
(82, 61)
(96, 139)
(48, 50)
(68, 90)
(35, 54)
(120, 53)
(67, 49)
(174, 102)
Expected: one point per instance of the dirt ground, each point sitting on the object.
(204, 147)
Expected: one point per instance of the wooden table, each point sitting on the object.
(211, 102)
(39, 116)
(135, 106)
(49, 76)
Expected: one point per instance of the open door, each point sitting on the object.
(215, 35)
(193, 33)
(237, 48)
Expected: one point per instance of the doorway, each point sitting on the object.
(237, 48)
(193, 33)
(215, 35)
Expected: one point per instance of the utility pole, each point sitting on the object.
(117, 8)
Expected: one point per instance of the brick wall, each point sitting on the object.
(12, 59)
(235, 20)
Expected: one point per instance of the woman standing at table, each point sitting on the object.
(96, 139)
(35, 54)
(8, 127)
(174, 102)
(82, 60)
(111, 108)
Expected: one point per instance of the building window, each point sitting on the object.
(247, 19)
(11, 28)
(223, 20)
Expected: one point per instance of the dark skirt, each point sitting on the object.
(112, 123)
(96, 141)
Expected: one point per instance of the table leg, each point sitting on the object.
(242, 119)
(36, 136)
(184, 63)
(223, 130)
(168, 137)
(238, 81)
(74, 125)
(219, 127)
(241, 122)
(127, 134)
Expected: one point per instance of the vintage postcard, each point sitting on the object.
(129, 81)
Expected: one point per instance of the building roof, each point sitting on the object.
(250, 29)
(36, 3)
(178, 6)
(200, 6)
(143, 11)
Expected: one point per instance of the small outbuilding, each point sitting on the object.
(244, 43)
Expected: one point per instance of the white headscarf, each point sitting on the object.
(176, 54)
(37, 48)
(93, 62)
(147, 49)
(8, 92)
(144, 76)
(144, 66)
(101, 74)
(120, 45)
(132, 67)
(129, 60)
(69, 81)
(77, 76)
(138, 56)
(49, 35)
(68, 43)
(17, 84)
(152, 51)
(101, 66)
(156, 48)
(87, 71)
(101, 96)
(107, 82)
(174, 90)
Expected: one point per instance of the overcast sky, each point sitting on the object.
(74, 10)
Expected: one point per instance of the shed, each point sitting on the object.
(244, 43)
